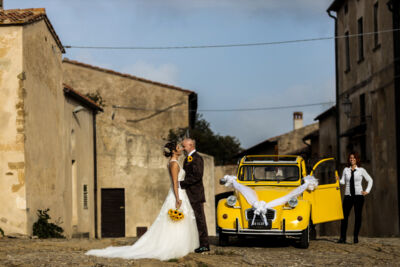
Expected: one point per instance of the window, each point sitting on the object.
(360, 40)
(269, 173)
(363, 147)
(362, 108)
(347, 51)
(376, 28)
(85, 197)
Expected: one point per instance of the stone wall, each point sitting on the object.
(12, 159)
(373, 77)
(79, 170)
(130, 140)
(43, 112)
(221, 171)
(293, 141)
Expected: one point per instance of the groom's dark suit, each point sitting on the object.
(193, 184)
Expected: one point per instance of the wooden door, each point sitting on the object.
(112, 212)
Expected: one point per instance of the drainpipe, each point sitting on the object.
(95, 173)
(394, 7)
(337, 96)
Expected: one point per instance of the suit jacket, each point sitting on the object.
(193, 183)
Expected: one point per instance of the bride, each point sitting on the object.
(165, 239)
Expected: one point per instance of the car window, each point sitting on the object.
(269, 173)
(325, 172)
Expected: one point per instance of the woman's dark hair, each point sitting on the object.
(169, 148)
(357, 157)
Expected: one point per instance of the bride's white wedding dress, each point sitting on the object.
(165, 239)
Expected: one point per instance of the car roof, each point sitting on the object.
(271, 159)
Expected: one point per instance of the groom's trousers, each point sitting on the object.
(198, 209)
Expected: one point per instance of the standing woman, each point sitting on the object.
(354, 194)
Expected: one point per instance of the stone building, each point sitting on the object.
(138, 115)
(285, 144)
(103, 177)
(368, 97)
(40, 135)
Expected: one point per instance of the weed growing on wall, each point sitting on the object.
(97, 98)
(44, 229)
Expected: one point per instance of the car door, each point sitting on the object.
(326, 202)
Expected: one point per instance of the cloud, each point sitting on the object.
(252, 6)
(254, 127)
(164, 73)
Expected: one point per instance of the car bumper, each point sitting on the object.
(272, 232)
(276, 232)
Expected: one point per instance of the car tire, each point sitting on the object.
(305, 238)
(223, 239)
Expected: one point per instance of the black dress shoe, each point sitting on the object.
(202, 249)
(342, 241)
(355, 240)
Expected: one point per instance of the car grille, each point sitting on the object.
(258, 221)
(270, 214)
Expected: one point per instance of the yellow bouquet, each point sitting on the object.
(175, 215)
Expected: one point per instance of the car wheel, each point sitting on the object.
(305, 238)
(223, 239)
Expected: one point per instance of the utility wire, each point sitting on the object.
(229, 110)
(227, 45)
(267, 108)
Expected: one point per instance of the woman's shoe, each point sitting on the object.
(355, 239)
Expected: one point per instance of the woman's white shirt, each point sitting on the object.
(359, 174)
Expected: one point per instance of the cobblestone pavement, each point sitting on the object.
(322, 252)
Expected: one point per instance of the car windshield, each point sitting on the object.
(269, 173)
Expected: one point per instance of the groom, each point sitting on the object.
(193, 184)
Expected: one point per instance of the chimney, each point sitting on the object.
(1, 5)
(297, 120)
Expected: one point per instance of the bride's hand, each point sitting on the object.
(178, 204)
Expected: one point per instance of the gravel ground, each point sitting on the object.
(322, 252)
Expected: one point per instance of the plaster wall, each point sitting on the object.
(79, 170)
(130, 141)
(12, 160)
(43, 116)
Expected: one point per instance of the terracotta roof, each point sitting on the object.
(273, 140)
(81, 98)
(13, 17)
(129, 76)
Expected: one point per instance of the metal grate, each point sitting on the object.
(85, 197)
(271, 214)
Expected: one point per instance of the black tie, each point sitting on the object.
(352, 188)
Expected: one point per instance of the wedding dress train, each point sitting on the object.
(165, 239)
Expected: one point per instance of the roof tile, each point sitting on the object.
(27, 16)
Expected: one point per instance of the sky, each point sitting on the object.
(223, 78)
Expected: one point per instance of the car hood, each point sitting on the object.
(266, 194)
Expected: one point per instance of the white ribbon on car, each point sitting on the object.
(261, 207)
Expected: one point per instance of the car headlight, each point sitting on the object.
(293, 202)
(231, 200)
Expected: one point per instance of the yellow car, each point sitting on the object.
(272, 177)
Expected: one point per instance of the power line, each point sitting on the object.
(227, 45)
(266, 108)
(229, 110)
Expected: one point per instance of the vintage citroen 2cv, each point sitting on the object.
(272, 177)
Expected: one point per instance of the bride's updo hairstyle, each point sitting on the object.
(169, 148)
